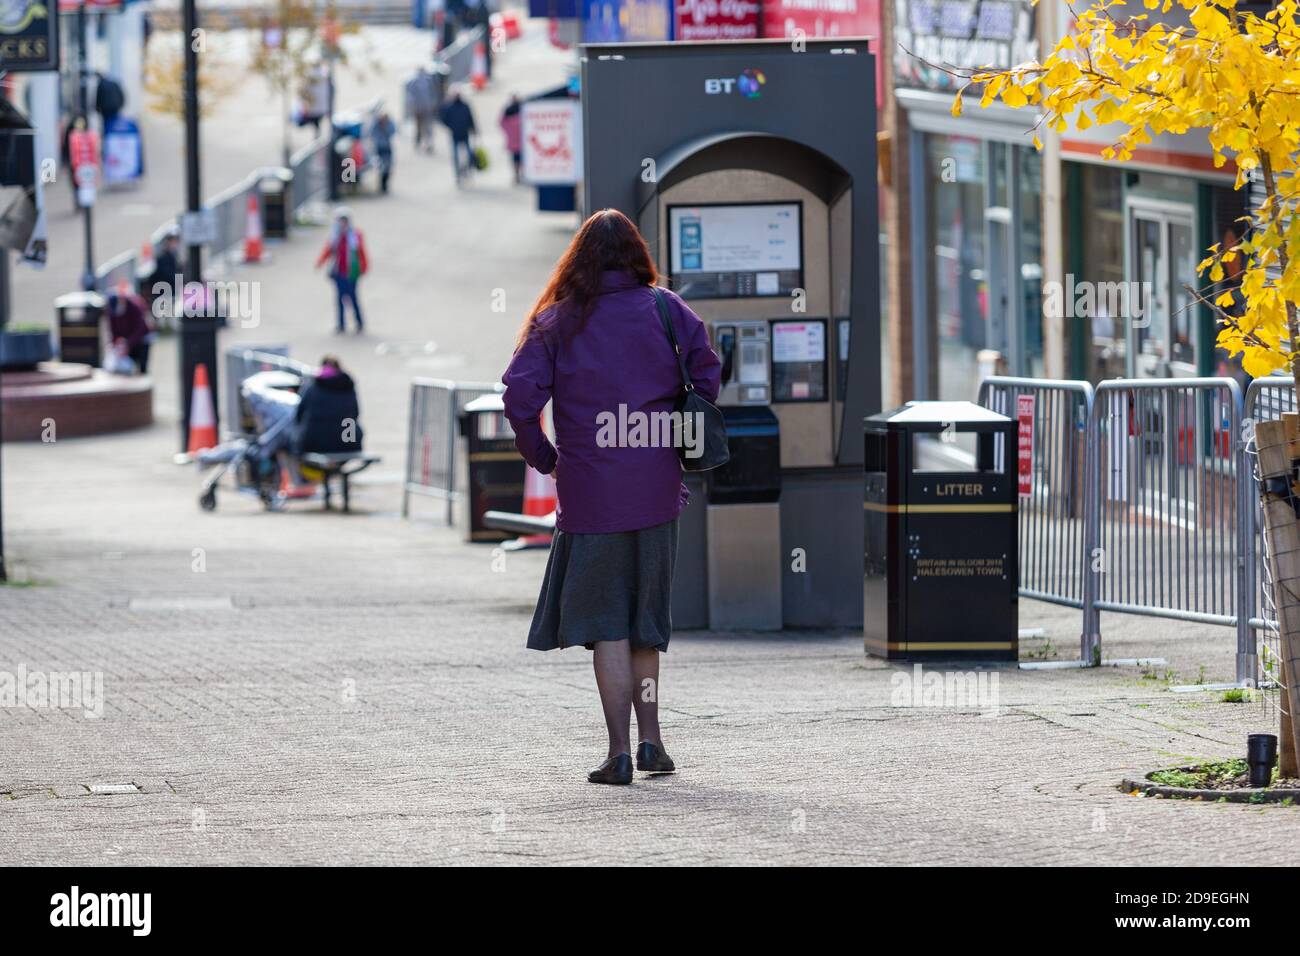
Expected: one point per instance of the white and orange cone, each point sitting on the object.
(478, 66)
(253, 231)
(203, 413)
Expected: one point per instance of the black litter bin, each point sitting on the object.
(941, 534)
(495, 468)
(275, 192)
(80, 338)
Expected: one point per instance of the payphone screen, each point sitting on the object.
(799, 360)
(746, 250)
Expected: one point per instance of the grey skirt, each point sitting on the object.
(607, 587)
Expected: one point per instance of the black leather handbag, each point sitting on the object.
(707, 429)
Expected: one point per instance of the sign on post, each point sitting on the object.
(83, 151)
(552, 141)
(123, 156)
(29, 36)
(1025, 449)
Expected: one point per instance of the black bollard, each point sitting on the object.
(1261, 754)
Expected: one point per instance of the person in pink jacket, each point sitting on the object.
(512, 125)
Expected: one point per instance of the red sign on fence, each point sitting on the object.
(1025, 451)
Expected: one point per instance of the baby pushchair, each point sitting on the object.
(271, 399)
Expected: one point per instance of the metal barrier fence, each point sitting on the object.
(310, 177)
(1135, 504)
(1267, 399)
(229, 208)
(1167, 539)
(459, 57)
(436, 407)
(1051, 517)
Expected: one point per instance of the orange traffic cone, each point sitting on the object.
(539, 501)
(253, 231)
(203, 414)
(478, 66)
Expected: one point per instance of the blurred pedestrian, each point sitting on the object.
(459, 120)
(512, 126)
(382, 132)
(328, 417)
(129, 330)
(166, 278)
(422, 97)
(109, 99)
(595, 341)
(345, 251)
(313, 98)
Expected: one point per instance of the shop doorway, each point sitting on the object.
(1161, 311)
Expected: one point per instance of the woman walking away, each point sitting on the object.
(595, 345)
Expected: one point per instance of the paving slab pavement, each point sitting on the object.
(310, 688)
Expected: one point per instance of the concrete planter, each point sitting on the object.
(20, 350)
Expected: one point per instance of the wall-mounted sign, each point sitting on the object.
(936, 36)
(715, 19)
(619, 21)
(553, 9)
(92, 6)
(826, 18)
(799, 361)
(552, 142)
(29, 36)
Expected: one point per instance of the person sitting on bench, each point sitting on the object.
(328, 414)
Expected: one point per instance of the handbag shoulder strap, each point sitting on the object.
(662, 304)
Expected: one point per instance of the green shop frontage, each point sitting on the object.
(1134, 234)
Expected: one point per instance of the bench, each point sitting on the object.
(342, 465)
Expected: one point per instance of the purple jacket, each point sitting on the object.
(621, 357)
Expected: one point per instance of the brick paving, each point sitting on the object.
(311, 688)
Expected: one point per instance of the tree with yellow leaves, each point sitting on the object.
(1236, 75)
(164, 72)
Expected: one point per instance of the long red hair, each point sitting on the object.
(608, 240)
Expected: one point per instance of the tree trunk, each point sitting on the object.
(1282, 529)
(1284, 533)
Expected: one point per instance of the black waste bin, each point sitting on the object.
(275, 193)
(80, 338)
(495, 468)
(941, 534)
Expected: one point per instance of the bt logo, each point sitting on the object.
(749, 84)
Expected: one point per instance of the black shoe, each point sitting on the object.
(652, 759)
(616, 770)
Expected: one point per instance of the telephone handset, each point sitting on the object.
(726, 350)
(743, 349)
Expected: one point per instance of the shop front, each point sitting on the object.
(1134, 233)
(975, 219)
